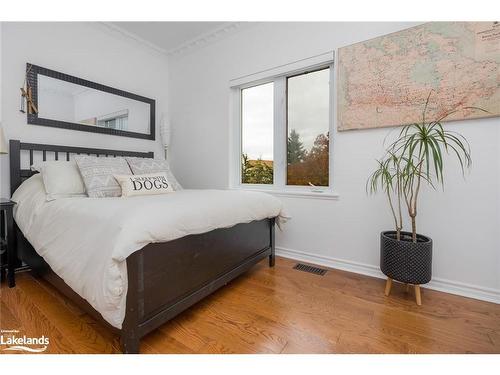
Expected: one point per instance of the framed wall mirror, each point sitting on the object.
(69, 102)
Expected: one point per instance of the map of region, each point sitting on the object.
(385, 81)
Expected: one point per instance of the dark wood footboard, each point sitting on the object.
(166, 278)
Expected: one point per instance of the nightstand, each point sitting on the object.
(8, 252)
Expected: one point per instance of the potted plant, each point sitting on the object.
(415, 158)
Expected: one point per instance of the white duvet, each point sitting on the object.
(87, 240)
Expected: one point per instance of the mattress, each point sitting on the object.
(86, 241)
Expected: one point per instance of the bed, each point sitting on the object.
(163, 278)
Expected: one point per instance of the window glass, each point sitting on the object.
(257, 121)
(308, 99)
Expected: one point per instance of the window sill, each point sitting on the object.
(325, 195)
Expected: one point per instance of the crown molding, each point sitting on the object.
(201, 40)
(123, 34)
(207, 38)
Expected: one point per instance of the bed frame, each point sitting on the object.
(166, 278)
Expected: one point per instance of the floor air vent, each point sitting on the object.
(310, 269)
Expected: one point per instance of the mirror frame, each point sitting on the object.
(32, 72)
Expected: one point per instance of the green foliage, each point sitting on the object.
(245, 167)
(295, 148)
(415, 157)
(307, 168)
(384, 176)
(255, 171)
(389, 178)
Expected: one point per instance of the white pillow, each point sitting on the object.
(61, 179)
(29, 196)
(148, 165)
(144, 184)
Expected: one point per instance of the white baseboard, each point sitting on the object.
(442, 285)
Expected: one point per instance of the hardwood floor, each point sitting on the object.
(278, 310)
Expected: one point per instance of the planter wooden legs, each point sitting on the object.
(418, 296)
(388, 285)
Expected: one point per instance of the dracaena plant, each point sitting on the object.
(416, 157)
(387, 177)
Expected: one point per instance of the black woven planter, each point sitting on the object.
(404, 260)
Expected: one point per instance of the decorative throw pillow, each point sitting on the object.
(144, 184)
(97, 174)
(61, 179)
(148, 165)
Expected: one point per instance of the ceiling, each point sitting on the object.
(169, 36)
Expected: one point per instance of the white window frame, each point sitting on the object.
(279, 76)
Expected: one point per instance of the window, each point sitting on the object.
(308, 123)
(257, 134)
(284, 131)
(117, 120)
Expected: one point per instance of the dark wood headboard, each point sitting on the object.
(19, 174)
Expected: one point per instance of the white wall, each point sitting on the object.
(84, 50)
(463, 221)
